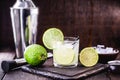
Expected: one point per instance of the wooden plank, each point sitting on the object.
(100, 76)
(1, 75)
(5, 56)
(113, 76)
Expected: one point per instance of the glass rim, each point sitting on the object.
(72, 37)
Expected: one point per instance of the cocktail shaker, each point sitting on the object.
(24, 16)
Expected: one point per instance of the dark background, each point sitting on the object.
(94, 21)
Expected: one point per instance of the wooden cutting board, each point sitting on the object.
(48, 70)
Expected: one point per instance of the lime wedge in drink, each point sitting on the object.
(51, 36)
(88, 57)
(63, 56)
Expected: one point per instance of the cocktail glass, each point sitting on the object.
(65, 54)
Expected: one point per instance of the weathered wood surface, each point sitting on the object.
(5, 56)
(21, 75)
(114, 76)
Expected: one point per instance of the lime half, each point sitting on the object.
(88, 57)
(51, 36)
(64, 56)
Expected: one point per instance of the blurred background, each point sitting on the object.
(94, 21)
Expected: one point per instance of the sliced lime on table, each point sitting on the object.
(64, 56)
(51, 36)
(88, 57)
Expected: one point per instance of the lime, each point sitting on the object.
(51, 36)
(35, 54)
(63, 56)
(88, 57)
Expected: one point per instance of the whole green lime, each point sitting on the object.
(35, 54)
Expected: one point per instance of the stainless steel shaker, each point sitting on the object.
(24, 16)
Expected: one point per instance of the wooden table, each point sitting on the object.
(20, 75)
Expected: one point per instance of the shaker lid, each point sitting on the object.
(24, 4)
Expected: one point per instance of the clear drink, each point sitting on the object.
(66, 54)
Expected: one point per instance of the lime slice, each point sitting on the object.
(63, 56)
(51, 36)
(88, 57)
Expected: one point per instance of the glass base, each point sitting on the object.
(65, 66)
